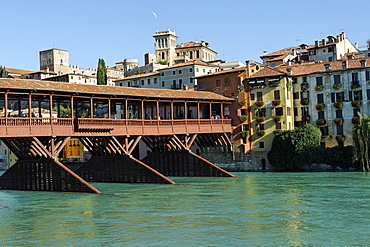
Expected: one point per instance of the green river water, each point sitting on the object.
(252, 209)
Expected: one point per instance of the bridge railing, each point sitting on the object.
(24, 121)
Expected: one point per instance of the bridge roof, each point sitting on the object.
(50, 86)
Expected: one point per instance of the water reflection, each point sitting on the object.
(289, 209)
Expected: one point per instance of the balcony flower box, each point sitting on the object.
(243, 118)
(338, 105)
(242, 103)
(320, 122)
(355, 86)
(305, 101)
(259, 103)
(355, 120)
(337, 86)
(306, 118)
(340, 138)
(276, 102)
(260, 132)
(319, 88)
(339, 121)
(260, 119)
(278, 131)
(244, 133)
(320, 107)
(356, 103)
(278, 119)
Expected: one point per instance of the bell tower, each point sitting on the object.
(55, 60)
(165, 45)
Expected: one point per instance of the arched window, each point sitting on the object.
(197, 52)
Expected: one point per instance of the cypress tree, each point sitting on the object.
(102, 72)
(3, 72)
(362, 141)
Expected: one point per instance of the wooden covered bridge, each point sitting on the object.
(37, 118)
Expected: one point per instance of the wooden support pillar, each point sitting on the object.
(92, 107)
(30, 105)
(38, 169)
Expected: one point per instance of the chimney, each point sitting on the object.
(323, 41)
(316, 43)
(289, 71)
(344, 64)
(264, 52)
(327, 67)
(363, 63)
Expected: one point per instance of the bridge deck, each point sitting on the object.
(24, 127)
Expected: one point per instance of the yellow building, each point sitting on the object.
(74, 150)
(271, 105)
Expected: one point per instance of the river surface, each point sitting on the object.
(252, 209)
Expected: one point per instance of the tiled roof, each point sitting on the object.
(222, 72)
(285, 51)
(49, 86)
(54, 49)
(281, 57)
(310, 68)
(188, 44)
(18, 71)
(139, 76)
(43, 72)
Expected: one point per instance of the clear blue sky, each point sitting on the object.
(238, 30)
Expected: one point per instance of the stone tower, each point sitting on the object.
(165, 45)
(55, 60)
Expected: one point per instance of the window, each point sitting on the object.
(330, 49)
(337, 97)
(174, 72)
(180, 82)
(296, 95)
(227, 82)
(260, 112)
(339, 129)
(279, 111)
(304, 110)
(336, 79)
(355, 111)
(200, 85)
(142, 82)
(321, 115)
(252, 95)
(330, 59)
(295, 111)
(278, 126)
(148, 81)
(354, 77)
(197, 69)
(320, 98)
(162, 83)
(162, 74)
(259, 96)
(304, 79)
(294, 80)
(261, 144)
(312, 53)
(339, 114)
(288, 111)
(190, 70)
(191, 80)
(218, 83)
(155, 80)
(324, 130)
(367, 74)
(276, 94)
(357, 95)
(204, 70)
(180, 71)
(319, 81)
(260, 127)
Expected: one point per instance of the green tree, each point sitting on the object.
(3, 72)
(289, 149)
(102, 72)
(362, 141)
(25, 76)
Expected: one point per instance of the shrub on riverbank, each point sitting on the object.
(299, 149)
